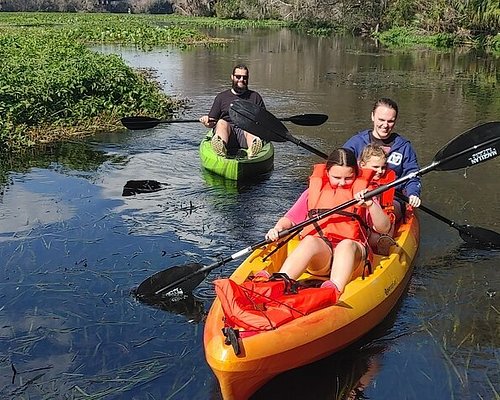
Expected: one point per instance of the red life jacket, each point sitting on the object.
(257, 306)
(345, 224)
(386, 199)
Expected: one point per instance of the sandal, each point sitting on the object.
(384, 244)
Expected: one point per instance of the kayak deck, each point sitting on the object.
(362, 306)
(238, 166)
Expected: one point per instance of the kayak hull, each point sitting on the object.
(362, 306)
(239, 166)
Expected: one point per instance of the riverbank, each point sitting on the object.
(53, 87)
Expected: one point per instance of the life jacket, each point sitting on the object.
(386, 199)
(261, 305)
(345, 224)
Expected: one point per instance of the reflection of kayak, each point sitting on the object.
(363, 305)
(238, 166)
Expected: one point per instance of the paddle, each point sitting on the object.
(257, 120)
(142, 122)
(248, 116)
(470, 234)
(470, 148)
(142, 186)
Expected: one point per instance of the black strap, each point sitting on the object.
(281, 244)
(354, 216)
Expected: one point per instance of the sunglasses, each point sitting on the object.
(244, 77)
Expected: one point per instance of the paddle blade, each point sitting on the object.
(145, 186)
(477, 145)
(139, 122)
(307, 119)
(258, 121)
(185, 305)
(162, 280)
(479, 236)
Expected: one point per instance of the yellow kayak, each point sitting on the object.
(362, 306)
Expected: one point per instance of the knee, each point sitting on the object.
(223, 125)
(310, 242)
(347, 245)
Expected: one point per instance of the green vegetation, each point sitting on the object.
(143, 31)
(441, 23)
(405, 37)
(52, 86)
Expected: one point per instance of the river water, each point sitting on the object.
(72, 248)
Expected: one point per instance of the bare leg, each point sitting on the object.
(347, 256)
(223, 130)
(249, 137)
(311, 252)
(375, 236)
(398, 211)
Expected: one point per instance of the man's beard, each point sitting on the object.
(238, 89)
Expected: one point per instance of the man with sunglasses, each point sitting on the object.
(227, 136)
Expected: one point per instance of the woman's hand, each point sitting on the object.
(414, 201)
(360, 196)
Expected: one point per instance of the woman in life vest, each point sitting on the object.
(336, 245)
(374, 157)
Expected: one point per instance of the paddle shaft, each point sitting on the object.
(300, 143)
(428, 210)
(436, 164)
(372, 193)
(143, 122)
(206, 269)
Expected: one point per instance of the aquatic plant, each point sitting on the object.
(52, 86)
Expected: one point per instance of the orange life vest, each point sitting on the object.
(346, 224)
(257, 306)
(386, 199)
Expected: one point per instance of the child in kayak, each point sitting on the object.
(374, 157)
(336, 245)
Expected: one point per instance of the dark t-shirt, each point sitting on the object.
(222, 102)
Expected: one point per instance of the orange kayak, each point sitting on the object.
(362, 306)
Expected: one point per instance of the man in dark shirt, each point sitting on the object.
(226, 134)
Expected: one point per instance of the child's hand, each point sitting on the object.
(360, 196)
(272, 234)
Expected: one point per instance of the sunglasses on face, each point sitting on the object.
(244, 77)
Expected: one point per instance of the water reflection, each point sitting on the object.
(72, 246)
(348, 374)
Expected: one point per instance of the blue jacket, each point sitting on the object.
(402, 158)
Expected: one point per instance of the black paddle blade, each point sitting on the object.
(139, 122)
(163, 279)
(145, 186)
(307, 119)
(186, 305)
(479, 237)
(470, 148)
(258, 121)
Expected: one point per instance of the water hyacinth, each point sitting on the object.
(52, 86)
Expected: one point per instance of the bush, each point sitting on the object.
(51, 81)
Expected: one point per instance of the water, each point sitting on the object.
(72, 248)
